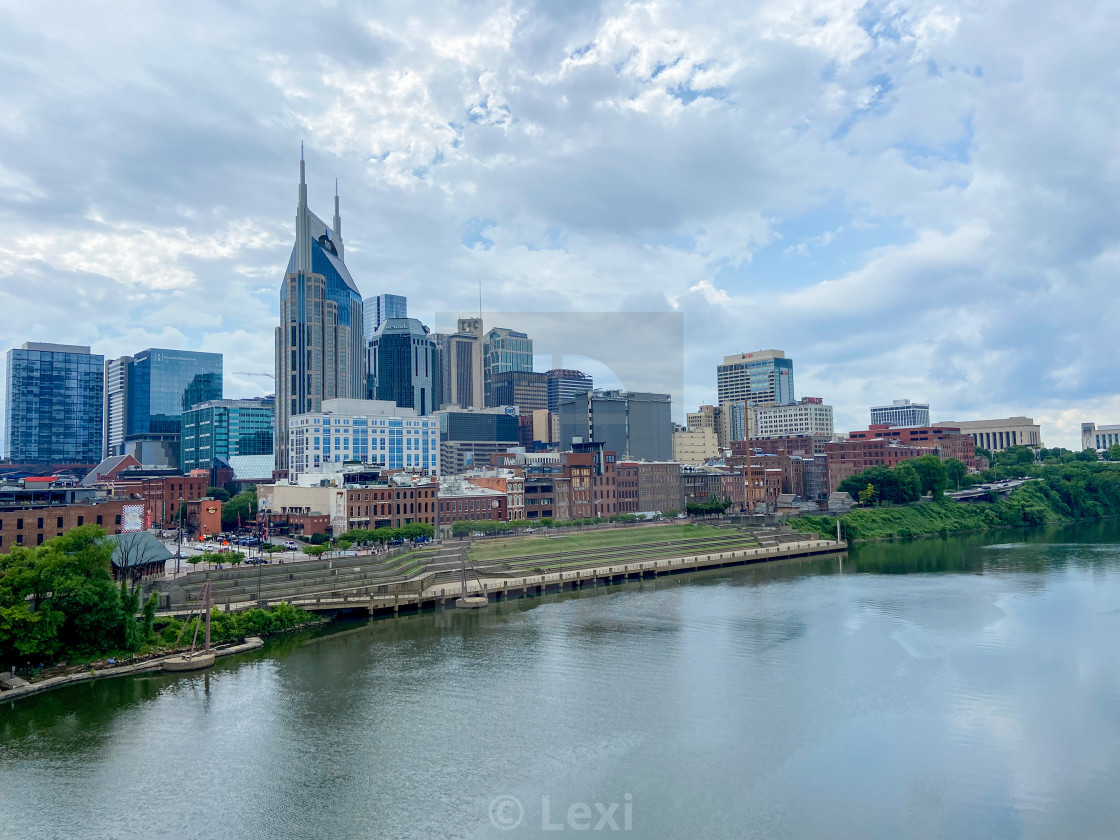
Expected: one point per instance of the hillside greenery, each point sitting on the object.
(1073, 489)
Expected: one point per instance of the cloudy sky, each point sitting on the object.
(913, 199)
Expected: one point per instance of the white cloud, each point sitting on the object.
(942, 178)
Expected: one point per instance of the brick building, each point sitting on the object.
(463, 501)
(33, 526)
(391, 506)
(658, 485)
(947, 441)
(848, 457)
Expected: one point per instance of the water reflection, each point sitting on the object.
(963, 686)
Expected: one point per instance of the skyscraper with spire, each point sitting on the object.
(319, 348)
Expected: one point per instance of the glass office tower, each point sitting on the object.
(53, 412)
(224, 429)
(320, 350)
(148, 394)
(404, 365)
(377, 310)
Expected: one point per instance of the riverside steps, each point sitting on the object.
(499, 568)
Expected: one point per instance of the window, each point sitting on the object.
(60, 522)
(40, 525)
(81, 520)
(99, 519)
(19, 524)
(118, 520)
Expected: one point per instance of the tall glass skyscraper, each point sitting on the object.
(764, 377)
(377, 310)
(404, 365)
(506, 350)
(146, 396)
(320, 351)
(564, 384)
(53, 412)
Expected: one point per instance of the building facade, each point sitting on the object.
(946, 441)
(997, 435)
(320, 351)
(522, 388)
(465, 501)
(505, 350)
(33, 526)
(489, 424)
(808, 416)
(900, 413)
(848, 457)
(461, 365)
(1099, 437)
(379, 309)
(635, 424)
(696, 446)
(564, 383)
(658, 485)
(224, 428)
(371, 432)
(764, 377)
(54, 404)
(404, 365)
(147, 395)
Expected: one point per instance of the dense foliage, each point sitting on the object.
(240, 509)
(710, 507)
(1075, 489)
(412, 531)
(58, 600)
(235, 626)
(905, 482)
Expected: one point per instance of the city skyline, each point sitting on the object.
(816, 221)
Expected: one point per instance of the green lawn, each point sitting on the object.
(501, 549)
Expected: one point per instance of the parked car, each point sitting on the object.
(291, 545)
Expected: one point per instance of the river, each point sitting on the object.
(951, 688)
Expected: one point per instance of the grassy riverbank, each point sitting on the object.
(1063, 493)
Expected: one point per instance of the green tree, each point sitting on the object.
(868, 495)
(241, 508)
(1088, 455)
(908, 483)
(955, 471)
(933, 474)
(1114, 452)
(316, 550)
(218, 493)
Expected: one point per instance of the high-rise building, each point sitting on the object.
(54, 405)
(461, 365)
(224, 429)
(116, 394)
(764, 377)
(633, 424)
(146, 395)
(379, 309)
(404, 365)
(320, 352)
(900, 413)
(564, 383)
(370, 431)
(523, 388)
(505, 350)
(997, 435)
(809, 416)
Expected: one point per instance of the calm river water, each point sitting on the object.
(953, 688)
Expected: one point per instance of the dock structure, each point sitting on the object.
(365, 585)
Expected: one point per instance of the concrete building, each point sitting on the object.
(1099, 437)
(635, 423)
(219, 429)
(54, 404)
(404, 365)
(373, 432)
(900, 413)
(808, 416)
(461, 357)
(505, 350)
(764, 377)
(997, 435)
(379, 309)
(721, 419)
(522, 388)
(346, 505)
(320, 349)
(696, 446)
(564, 384)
